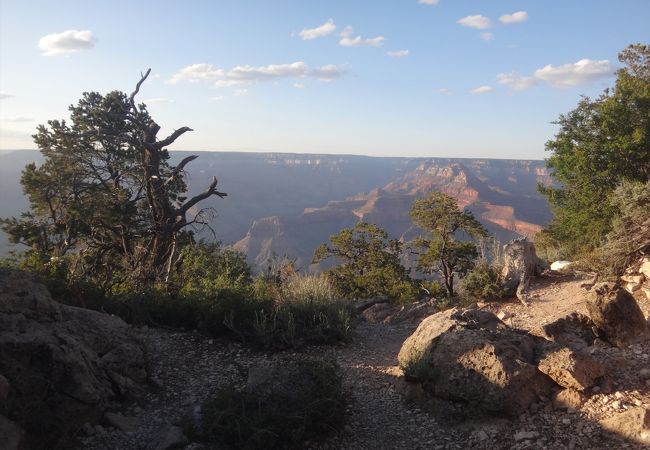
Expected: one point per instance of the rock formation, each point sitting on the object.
(62, 364)
(617, 314)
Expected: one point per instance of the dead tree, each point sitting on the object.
(169, 216)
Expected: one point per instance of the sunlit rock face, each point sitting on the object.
(287, 204)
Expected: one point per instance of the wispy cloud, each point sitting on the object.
(325, 29)
(487, 36)
(5, 95)
(478, 21)
(16, 119)
(299, 85)
(244, 75)
(240, 92)
(516, 17)
(444, 91)
(398, 53)
(348, 41)
(216, 99)
(482, 90)
(69, 41)
(429, 2)
(327, 72)
(579, 73)
(516, 82)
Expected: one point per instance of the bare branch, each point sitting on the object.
(179, 168)
(137, 89)
(210, 191)
(172, 137)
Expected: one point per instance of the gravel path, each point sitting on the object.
(186, 367)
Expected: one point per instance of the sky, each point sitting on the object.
(425, 78)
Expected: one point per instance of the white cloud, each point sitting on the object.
(516, 17)
(16, 119)
(240, 92)
(487, 36)
(429, 2)
(359, 41)
(246, 75)
(515, 81)
(152, 101)
(478, 21)
(398, 53)
(69, 41)
(299, 85)
(216, 99)
(444, 91)
(323, 30)
(482, 90)
(348, 41)
(327, 72)
(5, 95)
(582, 72)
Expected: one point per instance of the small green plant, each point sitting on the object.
(484, 282)
(418, 367)
(281, 418)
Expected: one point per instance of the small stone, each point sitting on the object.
(481, 435)
(644, 373)
(88, 430)
(526, 435)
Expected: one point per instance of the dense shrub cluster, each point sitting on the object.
(243, 419)
(215, 294)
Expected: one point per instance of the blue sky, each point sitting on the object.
(465, 78)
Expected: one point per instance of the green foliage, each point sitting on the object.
(370, 264)
(630, 233)
(599, 144)
(418, 367)
(438, 214)
(483, 282)
(235, 418)
(207, 268)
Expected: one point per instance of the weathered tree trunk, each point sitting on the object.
(168, 219)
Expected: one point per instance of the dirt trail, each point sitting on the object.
(187, 366)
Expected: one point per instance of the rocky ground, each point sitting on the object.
(186, 367)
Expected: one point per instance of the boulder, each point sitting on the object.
(67, 363)
(470, 356)
(520, 265)
(568, 399)
(571, 369)
(633, 424)
(617, 314)
(575, 330)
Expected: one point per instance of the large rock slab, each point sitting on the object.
(617, 314)
(633, 425)
(472, 357)
(64, 364)
(571, 369)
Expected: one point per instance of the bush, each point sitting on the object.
(484, 282)
(630, 235)
(286, 416)
(305, 312)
